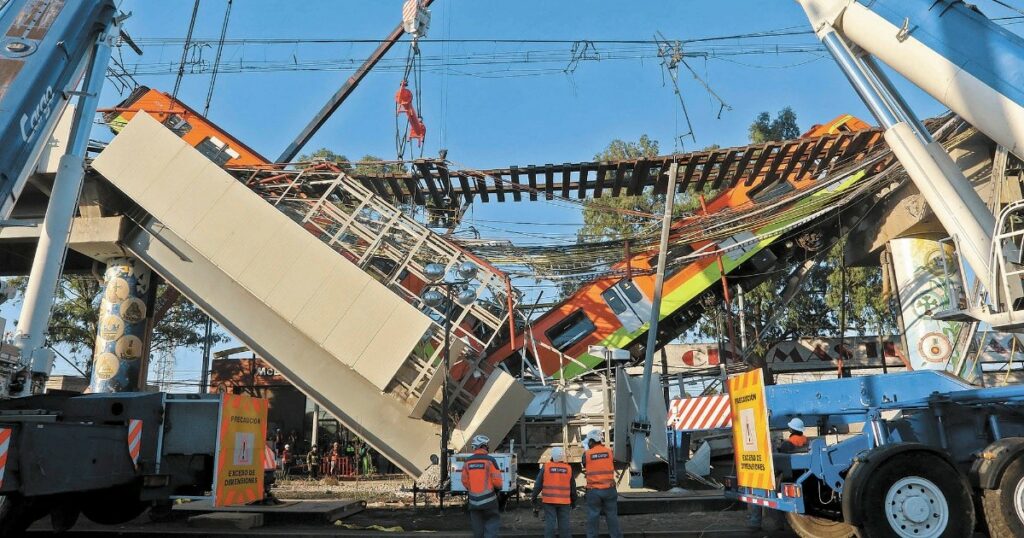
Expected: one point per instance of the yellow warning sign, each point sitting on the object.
(238, 478)
(751, 437)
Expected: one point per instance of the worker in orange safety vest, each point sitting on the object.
(556, 486)
(482, 479)
(599, 467)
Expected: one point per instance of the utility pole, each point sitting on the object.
(641, 428)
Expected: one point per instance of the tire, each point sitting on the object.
(916, 495)
(113, 514)
(1004, 507)
(63, 517)
(114, 506)
(818, 527)
(16, 515)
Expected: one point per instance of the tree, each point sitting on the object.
(75, 316)
(765, 129)
(324, 154)
(371, 165)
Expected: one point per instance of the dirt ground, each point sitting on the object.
(390, 512)
(390, 508)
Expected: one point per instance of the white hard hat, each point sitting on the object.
(480, 440)
(557, 454)
(595, 436)
(796, 425)
(287, 447)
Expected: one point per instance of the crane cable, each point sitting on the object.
(408, 102)
(184, 51)
(216, 61)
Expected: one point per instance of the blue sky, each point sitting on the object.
(495, 119)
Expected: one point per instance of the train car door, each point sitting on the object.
(630, 305)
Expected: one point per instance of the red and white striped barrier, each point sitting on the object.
(135, 440)
(700, 413)
(5, 445)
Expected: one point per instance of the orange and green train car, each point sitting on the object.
(200, 133)
(614, 312)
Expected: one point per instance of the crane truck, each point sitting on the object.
(933, 456)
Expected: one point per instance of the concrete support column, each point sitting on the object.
(928, 280)
(125, 327)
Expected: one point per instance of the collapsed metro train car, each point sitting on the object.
(614, 312)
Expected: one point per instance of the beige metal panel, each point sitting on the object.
(291, 294)
(173, 183)
(358, 404)
(215, 229)
(275, 258)
(386, 353)
(203, 196)
(145, 137)
(331, 301)
(252, 226)
(361, 324)
(495, 410)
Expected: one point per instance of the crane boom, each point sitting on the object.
(966, 62)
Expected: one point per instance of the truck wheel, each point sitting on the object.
(1004, 507)
(64, 516)
(818, 527)
(916, 495)
(15, 515)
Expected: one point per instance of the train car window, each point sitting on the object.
(614, 301)
(674, 252)
(774, 191)
(572, 329)
(216, 150)
(178, 125)
(633, 294)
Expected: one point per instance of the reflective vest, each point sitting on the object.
(269, 459)
(600, 467)
(480, 476)
(798, 440)
(557, 483)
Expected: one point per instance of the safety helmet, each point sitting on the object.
(594, 436)
(287, 447)
(557, 454)
(480, 440)
(796, 425)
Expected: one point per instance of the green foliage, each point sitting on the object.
(371, 165)
(817, 308)
(765, 129)
(324, 154)
(75, 316)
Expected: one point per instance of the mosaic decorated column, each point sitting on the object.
(124, 326)
(921, 283)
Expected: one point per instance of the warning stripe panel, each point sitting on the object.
(5, 445)
(134, 440)
(700, 413)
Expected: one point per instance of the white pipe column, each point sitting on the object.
(53, 236)
(641, 429)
